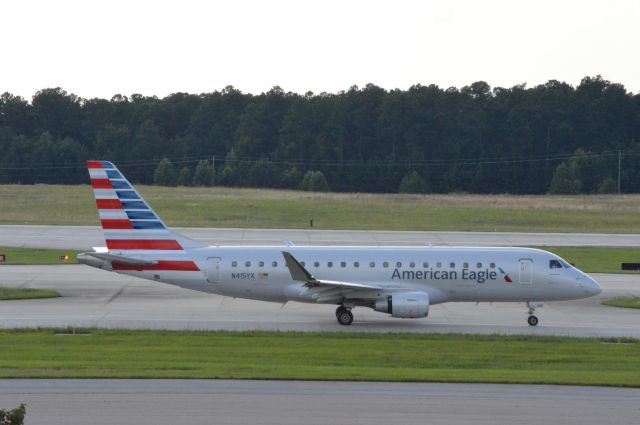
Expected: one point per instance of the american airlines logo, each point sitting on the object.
(479, 276)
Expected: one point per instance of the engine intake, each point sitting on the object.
(406, 305)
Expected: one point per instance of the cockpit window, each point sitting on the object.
(555, 264)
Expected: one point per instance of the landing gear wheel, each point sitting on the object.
(532, 320)
(345, 317)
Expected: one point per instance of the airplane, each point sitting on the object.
(400, 281)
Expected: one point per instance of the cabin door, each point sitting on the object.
(213, 269)
(525, 271)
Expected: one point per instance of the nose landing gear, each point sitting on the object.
(532, 320)
(344, 315)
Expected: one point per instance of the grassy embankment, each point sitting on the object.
(7, 294)
(598, 260)
(37, 256)
(627, 302)
(253, 208)
(326, 356)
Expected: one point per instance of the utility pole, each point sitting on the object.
(619, 165)
(213, 167)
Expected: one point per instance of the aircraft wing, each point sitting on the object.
(326, 290)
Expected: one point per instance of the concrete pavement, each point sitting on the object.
(96, 298)
(223, 402)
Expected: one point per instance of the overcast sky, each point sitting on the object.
(98, 49)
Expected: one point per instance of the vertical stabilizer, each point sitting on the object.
(128, 222)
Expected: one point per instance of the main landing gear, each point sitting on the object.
(344, 315)
(532, 320)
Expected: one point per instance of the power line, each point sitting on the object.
(344, 163)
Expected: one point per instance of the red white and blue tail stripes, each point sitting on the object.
(129, 224)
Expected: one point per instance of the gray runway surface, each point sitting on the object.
(159, 402)
(84, 237)
(96, 298)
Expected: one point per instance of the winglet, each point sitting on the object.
(298, 272)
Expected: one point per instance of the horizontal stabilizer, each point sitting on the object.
(118, 259)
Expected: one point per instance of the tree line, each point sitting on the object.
(553, 137)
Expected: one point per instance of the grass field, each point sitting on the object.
(597, 260)
(37, 256)
(26, 293)
(326, 356)
(253, 208)
(628, 302)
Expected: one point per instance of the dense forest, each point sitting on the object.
(549, 138)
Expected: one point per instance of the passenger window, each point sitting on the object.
(385, 264)
(452, 265)
(439, 264)
(398, 264)
(492, 265)
(425, 265)
(274, 264)
(330, 264)
(479, 265)
(343, 264)
(412, 264)
(247, 263)
(356, 264)
(316, 264)
(303, 263)
(465, 265)
(234, 264)
(261, 264)
(372, 264)
(555, 264)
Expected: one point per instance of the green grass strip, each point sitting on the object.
(596, 259)
(626, 302)
(319, 356)
(35, 256)
(26, 293)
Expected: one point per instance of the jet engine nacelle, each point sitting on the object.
(406, 305)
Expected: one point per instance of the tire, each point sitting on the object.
(532, 320)
(345, 317)
(339, 310)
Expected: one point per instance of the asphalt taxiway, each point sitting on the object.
(96, 298)
(85, 237)
(194, 402)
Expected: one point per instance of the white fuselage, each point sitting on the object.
(444, 273)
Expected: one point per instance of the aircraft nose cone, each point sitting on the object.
(597, 289)
(588, 286)
(592, 286)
